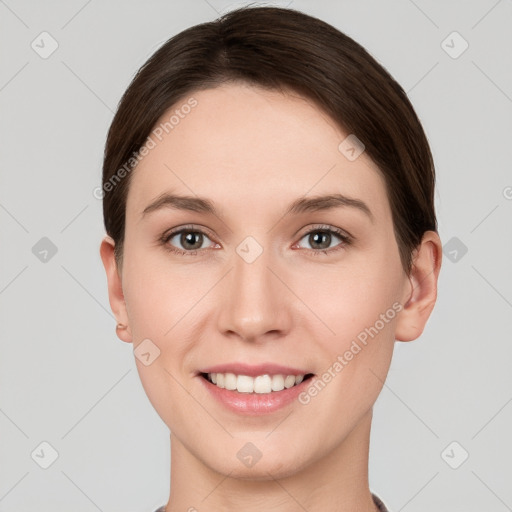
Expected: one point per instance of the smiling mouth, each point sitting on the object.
(257, 385)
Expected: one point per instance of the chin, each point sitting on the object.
(247, 462)
(261, 471)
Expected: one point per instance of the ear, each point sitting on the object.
(421, 294)
(115, 287)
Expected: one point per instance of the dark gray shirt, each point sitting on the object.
(376, 499)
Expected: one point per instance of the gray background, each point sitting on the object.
(67, 380)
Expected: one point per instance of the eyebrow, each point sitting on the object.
(301, 205)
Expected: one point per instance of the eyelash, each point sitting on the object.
(346, 240)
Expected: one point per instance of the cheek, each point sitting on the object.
(166, 304)
(360, 307)
(156, 293)
(160, 304)
(353, 298)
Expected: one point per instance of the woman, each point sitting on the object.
(269, 209)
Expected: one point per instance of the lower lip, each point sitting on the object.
(255, 403)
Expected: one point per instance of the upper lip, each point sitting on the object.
(254, 370)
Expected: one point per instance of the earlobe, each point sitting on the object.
(115, 289)
(422, 292)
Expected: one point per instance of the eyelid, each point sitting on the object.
(188, 227)
(327, 227)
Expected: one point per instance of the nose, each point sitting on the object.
(255, 304)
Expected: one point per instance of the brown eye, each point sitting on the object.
(185, 241)
(321, 239)
(191, 239)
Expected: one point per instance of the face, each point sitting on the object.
(251, 287)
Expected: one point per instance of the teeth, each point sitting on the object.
(244, 384)
(277, 382)
(289, 381)
(230, 381)
(259, 384)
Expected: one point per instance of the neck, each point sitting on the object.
(337, 482)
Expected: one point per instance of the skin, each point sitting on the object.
(252, 152)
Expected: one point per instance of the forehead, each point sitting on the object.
(246, 147)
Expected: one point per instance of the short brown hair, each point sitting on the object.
(280, 49)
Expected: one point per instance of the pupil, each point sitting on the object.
(321, 235)
(188, 239)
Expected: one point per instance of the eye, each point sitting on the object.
(320, 239)
(189, 238)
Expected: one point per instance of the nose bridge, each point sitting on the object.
(254, 302)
